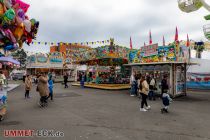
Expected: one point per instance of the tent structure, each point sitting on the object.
(198, 76)
(9, 59)
(201, 67)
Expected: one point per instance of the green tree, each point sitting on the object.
(21, 56)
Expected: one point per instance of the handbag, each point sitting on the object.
(37, 89)
(155, 88)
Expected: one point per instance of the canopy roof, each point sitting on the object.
(9, 59)
(110, 55)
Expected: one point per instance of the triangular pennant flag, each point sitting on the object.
(150, 37)
(131, 45)
(176, 35)
(164, 41)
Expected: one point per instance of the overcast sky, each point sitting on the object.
(93, 20)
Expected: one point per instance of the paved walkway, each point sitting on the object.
(92, 114)
(11, 87)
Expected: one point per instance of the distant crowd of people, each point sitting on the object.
(145, 86)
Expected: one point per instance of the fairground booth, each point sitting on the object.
(170, 61)
(105, 68)
(39, 63)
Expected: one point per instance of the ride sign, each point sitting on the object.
(149, 50)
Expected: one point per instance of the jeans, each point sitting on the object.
(134, 89)
(151, 95)
(27, 94)
(144, 100)
(65, 83)
(82, 84)
(50, 96)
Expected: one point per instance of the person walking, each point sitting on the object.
(3, 101)
(28, 86)
(144, 90)
(2, 78)
(133, 84)
(43, 89)
(65, 78)
(164, 85)
(152, 88)
(50, 85)
(166, 100)
(82, 82)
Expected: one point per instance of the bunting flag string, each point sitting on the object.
(62, 43)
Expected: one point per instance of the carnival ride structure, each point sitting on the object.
(194, 5)
(110, 56)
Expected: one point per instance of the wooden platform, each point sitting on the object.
(105, 86)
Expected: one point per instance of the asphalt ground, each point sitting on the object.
(82, 114)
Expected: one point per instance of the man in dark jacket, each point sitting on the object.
(164, 84)
(65, 77)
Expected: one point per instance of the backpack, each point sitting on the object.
(165, 101)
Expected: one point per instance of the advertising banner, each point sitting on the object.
(149, 50)
(199, 81)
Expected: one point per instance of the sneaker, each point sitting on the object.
(166, 110)
(143, 109)
(132, 95)
(148, 107)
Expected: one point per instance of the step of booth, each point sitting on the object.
(105, 86)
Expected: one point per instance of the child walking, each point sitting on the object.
(50, 85)
(166, 101)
